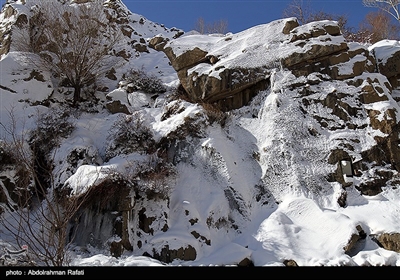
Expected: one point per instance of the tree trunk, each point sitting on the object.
(77, 94)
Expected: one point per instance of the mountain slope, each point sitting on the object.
(170, 176)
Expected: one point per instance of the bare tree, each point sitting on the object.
(200, 26)
(388, 6)
(377, 26)
(299, 10)
(303, 12)
(37, 214)
(203, 27)
(74, 42)
(219, 26)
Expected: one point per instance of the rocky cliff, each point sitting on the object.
(218, 70)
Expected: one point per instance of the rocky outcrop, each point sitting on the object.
(103, 222)
(8, 14)
(209, 73)
(353, 111)
(215, 70)
(327, 53)
(387, 55)
(230, 70)
(14, 179)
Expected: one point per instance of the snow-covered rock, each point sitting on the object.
(387, 54)
(229, 70)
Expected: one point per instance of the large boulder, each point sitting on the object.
(214, 68)
(316, 41)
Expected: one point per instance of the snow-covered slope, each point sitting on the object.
(173, 182)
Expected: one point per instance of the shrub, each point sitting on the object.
(36, 214)
(129, 134)
(138, 80)
(151, 179)
(173, 108)
(50, 127)
(179, 93)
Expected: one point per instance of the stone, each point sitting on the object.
(141, 48)
(246, 262)
(186, 59)
(390, 241)
(167, 255)
(158, 43)
(290, 25)
(290, 263)
(115, 107)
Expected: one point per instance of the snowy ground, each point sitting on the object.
(298, 228)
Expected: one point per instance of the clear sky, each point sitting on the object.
(240, 14)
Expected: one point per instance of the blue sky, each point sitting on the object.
(240, 14)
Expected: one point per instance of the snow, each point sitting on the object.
(297, 229)
(163, 128)
(288, 231)
(233, 50)
(313, 232)
(252, 48)
(307, 227)
(385, 49)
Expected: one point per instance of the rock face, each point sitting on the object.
(5, 30)
(220, 70)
